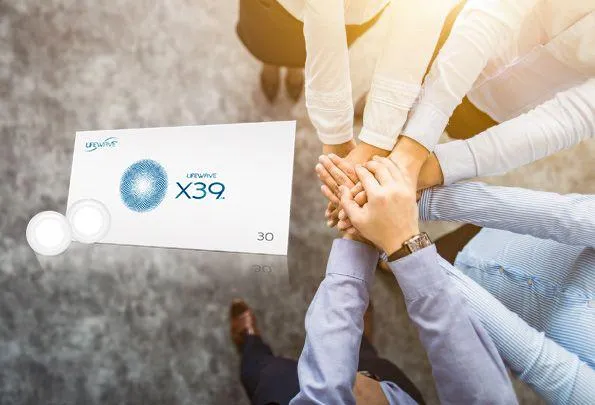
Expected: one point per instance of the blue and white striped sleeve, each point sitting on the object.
(568, 219)
(557, 375)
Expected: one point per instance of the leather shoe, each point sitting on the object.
(242, 322)
(270, 77)
(294, 83)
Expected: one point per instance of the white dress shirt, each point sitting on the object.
(557, 124)
(527, 63)
(414, 30)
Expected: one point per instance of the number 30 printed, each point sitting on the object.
(265, 236)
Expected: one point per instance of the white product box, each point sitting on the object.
(215, 187)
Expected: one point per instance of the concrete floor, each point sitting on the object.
(114, 324)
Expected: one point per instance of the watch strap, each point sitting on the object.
(411, 245)
(399, 254)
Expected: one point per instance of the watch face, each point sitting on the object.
(418, 242)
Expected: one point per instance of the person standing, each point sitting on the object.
(273, 32)
(270, 379)
(527, 275)
(329, 27)
(526, 65)
(466, 366)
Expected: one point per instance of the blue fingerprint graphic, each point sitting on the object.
(143, 185)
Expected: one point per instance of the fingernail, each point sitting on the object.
(332, 155)
(318, 167)
(321, 158)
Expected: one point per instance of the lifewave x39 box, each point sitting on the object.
(215, 187)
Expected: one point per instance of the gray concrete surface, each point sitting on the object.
(126, 325)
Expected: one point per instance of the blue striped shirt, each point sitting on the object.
(538, 263)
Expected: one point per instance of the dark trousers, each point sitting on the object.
(268, 379)
(449, 245)
(275, 37)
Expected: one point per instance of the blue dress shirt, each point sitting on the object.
(538, 261)
(466, 366)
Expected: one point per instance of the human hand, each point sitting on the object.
(334, 214)
(356, 236)
(341, 149)
(430, 174)
(409, 154)
(343, 174)
(390, 216)
(332, 178)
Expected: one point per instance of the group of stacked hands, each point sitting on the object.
(379, 189)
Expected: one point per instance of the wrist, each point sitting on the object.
(340, 150)
(409, 153)
(356, 238)
(431, 173)
(396, 241)
(369, 151)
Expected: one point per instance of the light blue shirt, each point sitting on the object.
(543, 275)
(466, 366)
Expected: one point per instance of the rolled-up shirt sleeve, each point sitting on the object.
(565, 120)
(328, 85)
(401, 66)
(481, 28)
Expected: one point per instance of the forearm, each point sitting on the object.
(328, 85)
(401, 66)
(568, 219)
(476, 35)
(557, 124)
(334, 325)
(465, 363)
(554, 373)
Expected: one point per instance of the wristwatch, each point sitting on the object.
(411, 245)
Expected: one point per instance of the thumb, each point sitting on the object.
(351, 208)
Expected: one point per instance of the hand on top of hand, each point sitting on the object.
(390, 216)
(332, 169)
(342, 173)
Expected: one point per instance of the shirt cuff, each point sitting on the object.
(424, 205)
(456, 161)
(353, 259)
(419, 274)
(425, 125)
(331, 114)
(375, 139)
(335, 139)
